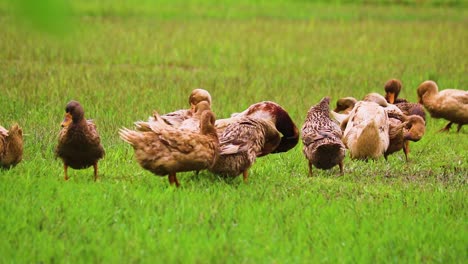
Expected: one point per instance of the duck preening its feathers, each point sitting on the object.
(321, 138)
(241, 142)
(11, 146)
(165, 150)
(450, 104)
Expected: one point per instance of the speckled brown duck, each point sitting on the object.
(392, 90)
(269, 111)
(79, 145)
(403, 129)
(165, 150)
(242, 142)
(321, 138)
(450, 104)
(11, 146)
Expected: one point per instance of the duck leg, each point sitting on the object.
(459, 127)
(406, 149)
(173, 179)
(245, 175)
(446, 128)
(310, 169)
(341, 168)
(95, 171)
(65, 167)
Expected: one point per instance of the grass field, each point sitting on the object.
(122, 61)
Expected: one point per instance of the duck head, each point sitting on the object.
(73, 113)
(345, 104)
(207, 123)
(415, 128)
(392, 89)
(426, 88)
(197, 96)
(201, 106)
(376, 98)
(15, 132)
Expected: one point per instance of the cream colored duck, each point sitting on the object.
(321, 138)
(165, 150)
(11, 146)
(269, 111)
(450, 104)
(176, 118)
(241, 142)
(366, 129)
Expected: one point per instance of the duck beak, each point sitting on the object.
(67, 120)
(391, 97)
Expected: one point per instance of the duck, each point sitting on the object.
(321, 138)
(11, 146)
(449, 104)
(241, 142)
(193, 123)
(165, 150)
(176, 118)
(403, 129)
(79, 145)
(273, 112)
(366, 129)
(345, 105)
(392, 90)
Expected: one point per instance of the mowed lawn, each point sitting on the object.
(123, 60)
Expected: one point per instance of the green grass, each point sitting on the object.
(123, 61)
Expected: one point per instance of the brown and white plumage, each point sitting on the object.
(269, 111)
(11, 146)
(366, 130)
(240, 144)
(166, 150)
(321, 138)
(79, 145)
(403, 129)
(176, 118)
(450, 104)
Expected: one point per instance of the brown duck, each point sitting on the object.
(403, 129)
(165, 150)
(242, 142)
(11, 146)
(392, 90)
(176, 118)
(345, 105)
(269, 111)
(79, 144)
(450, 104)
(321, 138)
